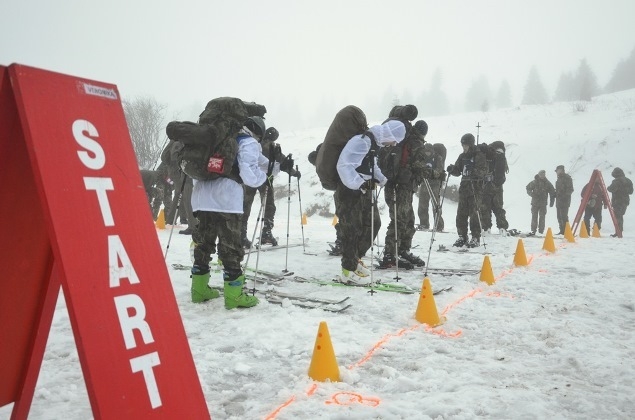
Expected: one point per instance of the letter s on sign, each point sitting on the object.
(98, 159)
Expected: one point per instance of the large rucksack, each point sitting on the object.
(496, 161)
(207, 150)
(441, 153)
(348, 122)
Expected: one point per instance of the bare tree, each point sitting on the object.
(146, 122)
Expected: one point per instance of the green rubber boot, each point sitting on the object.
(234, 296)
(200, 290)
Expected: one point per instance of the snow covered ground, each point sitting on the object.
(552, 339)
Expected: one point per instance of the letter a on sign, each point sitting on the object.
(79, 218)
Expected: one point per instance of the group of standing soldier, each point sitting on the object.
(393, 155)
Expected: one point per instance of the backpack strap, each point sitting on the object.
(366, 167)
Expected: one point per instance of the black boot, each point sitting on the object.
(388, 261)
(336, 250)
(267, 238)
(474, 243)
(408, 256)
(462, 241)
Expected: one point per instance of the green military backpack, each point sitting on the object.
(208, 149)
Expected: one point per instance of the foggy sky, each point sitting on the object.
(307, 59)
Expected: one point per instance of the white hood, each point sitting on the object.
(391, 130)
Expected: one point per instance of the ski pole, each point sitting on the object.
(176, 213)
(394, 195)
(434, 231)
(286, 259)
(478, 213)
(301, 214)
(372, 216)
(478, 130)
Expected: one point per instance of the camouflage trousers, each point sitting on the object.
(424, 204)
(492, 202)
(403, 220)
(619, 210)
(468, 209)
(596, 213)
(270, 206)
(224, 227)
(538, 214)
(182, 202)
(562, 212)
(355, 218)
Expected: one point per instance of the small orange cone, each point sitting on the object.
(520, 258)
(335, 220)
(583, 232)
(323, 363)
(304, 221)
(548, 244)
(427, 308)
(161, 220)
(596, 231)
(568, 233)
(487, 274)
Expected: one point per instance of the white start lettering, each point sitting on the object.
(130, 308)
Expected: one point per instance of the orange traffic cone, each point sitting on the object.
(427, 308)
(487, 274)
(160, 223)
(568, 233)
(584, 233)
(596, 231)
(323, 363)
(304, 221)
(520, 258)
(548, 244)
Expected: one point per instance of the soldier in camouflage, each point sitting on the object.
(620, 189)
(430, 190)
(153, 192)
(594, 205)
(402, 183)
(540, 189)
(271, 150)
(492, 201)
(564, 189)
(471, 166)
(218, 204)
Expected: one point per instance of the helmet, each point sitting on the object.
(271, 134)
(256, 125)
(468, 139)
(422, 127)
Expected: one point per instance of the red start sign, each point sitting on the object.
(75, 191)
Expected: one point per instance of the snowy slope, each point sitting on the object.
(553, 339)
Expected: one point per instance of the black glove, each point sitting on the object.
(441, 176)
(287, 164)
(450, 169)
(296, 174)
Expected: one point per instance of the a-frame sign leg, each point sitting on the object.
(596, 176)
(36, 354)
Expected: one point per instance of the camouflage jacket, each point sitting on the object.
(539, 189)
(471, 166)
(596, 199)
(564, 188)
(620, 189)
